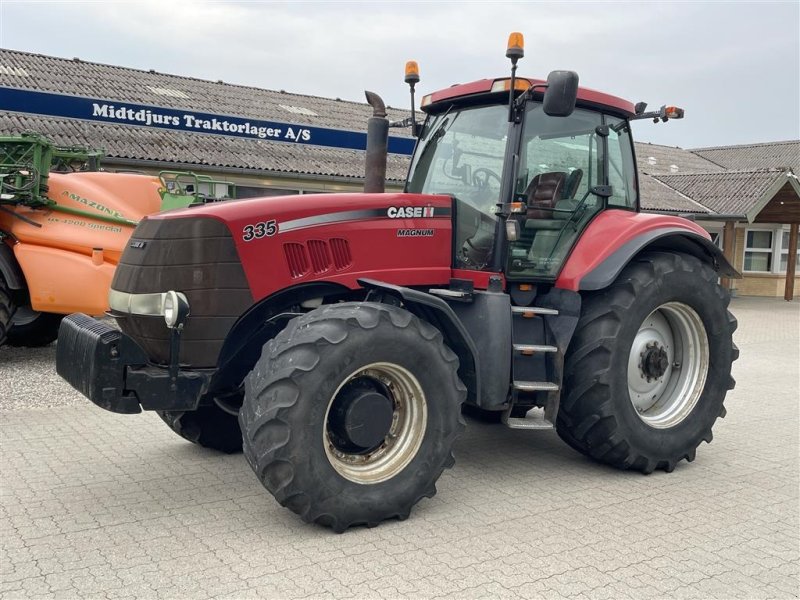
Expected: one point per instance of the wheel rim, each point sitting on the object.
(24, 315)
(405, 432)
(668, 365)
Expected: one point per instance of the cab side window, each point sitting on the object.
(621, 168)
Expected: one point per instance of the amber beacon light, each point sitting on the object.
(516, 46)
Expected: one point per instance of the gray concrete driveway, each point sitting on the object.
(99, 505)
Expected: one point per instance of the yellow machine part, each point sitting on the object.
(61, 281)
(68, 260)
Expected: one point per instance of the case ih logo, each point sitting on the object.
(409, 212)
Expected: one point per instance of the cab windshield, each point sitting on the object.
(567, 170)
(460, 153)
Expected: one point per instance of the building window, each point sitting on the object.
(716, 236)
(785, 252)
(246, 191)
(767, 250)
(758, 250)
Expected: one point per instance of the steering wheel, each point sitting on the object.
(482, 175)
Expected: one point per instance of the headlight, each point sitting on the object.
(176, 309)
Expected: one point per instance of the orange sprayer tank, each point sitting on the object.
(68, 260)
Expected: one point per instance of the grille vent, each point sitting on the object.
(320, 257)
(317, 255)
(297, 259)
(341, 253)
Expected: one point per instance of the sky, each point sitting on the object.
(733, 66)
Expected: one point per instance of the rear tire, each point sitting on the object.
(6, 310)
(33, 329)
(319, 368)
(208, 426)
(649, 365)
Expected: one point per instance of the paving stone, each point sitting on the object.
(94, 504)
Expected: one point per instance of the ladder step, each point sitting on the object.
(531, 348)
(535, 386)
(534, 419)
(532, 311)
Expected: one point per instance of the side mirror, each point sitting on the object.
(561, 94)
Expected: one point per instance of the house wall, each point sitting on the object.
(756, 284)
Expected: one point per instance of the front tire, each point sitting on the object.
(649, 365)
(208, 426)
(33, 329)
(351, 412)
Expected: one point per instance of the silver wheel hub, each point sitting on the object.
(395, 397)
(668, 365)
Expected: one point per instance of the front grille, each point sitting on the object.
(196, 256)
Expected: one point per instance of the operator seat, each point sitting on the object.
(543, 192)
(571, 185)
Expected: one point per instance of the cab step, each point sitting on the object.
(535, 386)
(532, 348)
(533, 419)
(532, 311)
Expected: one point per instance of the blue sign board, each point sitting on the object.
(126, 113)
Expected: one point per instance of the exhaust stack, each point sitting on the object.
(377, 145)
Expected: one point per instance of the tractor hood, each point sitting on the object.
(344, 236)
(226, 257)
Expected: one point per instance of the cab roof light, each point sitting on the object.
(412, 72)
(504, 85)
(671, 112)
(663, 114)
(516, 46)
(426, 100)
(412, 79)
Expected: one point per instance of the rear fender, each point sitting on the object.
(615, 237)
(671, 240)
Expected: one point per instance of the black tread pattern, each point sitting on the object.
(276, 385)
(208, 426)
(6, 310)
(43, 330)
(591, 427)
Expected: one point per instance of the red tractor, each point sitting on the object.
(336, 337)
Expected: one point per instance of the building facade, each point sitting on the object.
(270, 142)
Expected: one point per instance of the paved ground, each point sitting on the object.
(108, 506)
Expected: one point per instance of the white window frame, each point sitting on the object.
(785, 251)
(720, 233)
(776, 250)
(771, 250)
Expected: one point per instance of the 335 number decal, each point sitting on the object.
(259, 230)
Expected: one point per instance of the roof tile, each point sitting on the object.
(94, 80)
(728, 192)
(656, 159)
(755, 156)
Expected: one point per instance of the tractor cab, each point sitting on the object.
(550, 174)
(530, 164)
